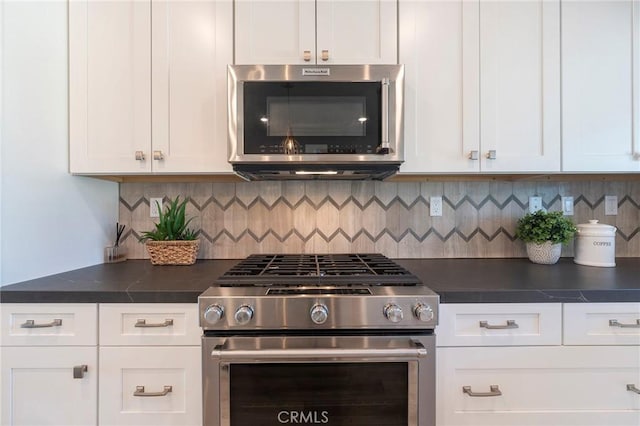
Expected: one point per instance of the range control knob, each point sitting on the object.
(244, 314)
(393, 312)
(423, 312)
(213, 314)
(319, 313)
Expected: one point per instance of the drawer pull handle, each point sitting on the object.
(633, 388)
(494, 390)
(140, 391)
(79, 370)
(510, 324)
(32, 324)
(615, 323)
(143, 323)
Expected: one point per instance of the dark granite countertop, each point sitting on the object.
(456, 280)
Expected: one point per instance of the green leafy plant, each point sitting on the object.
(172, 224)
(542, 226)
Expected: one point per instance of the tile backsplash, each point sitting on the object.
(478, 220)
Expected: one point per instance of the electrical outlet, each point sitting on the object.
(567, 206)
(535, 204)
(153, 207)
(610, 205)
(435, 206)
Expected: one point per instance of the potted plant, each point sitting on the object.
(172, 242)
(544, 233)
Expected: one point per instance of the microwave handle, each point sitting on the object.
(384, 146)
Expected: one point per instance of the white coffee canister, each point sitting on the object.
(595, 244)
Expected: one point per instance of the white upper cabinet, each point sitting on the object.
(600, 78)
(110, 86)
(148, 86)
(439, 49)
(192, 46)
(520, 86)
(316, 32)
(482, 86)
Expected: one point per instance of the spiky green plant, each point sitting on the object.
(172, 224)
(544, 226)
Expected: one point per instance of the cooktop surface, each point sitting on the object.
(334, 269)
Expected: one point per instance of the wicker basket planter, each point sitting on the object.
(173, 252)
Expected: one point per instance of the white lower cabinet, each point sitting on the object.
(520, 365)
(150, 386)
(150, 365)
(44, 386)
(48, 364)
(553, 385)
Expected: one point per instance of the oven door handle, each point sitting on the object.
(413, 351)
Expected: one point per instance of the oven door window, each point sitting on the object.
(338, 394)
(322, 117)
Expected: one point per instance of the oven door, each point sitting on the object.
(345, 380)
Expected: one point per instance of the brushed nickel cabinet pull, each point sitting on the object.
(140, 391)
(494, 390)
(491, 155)
(32, 324)
(79, 370)
(510, 324)
(633, 388)
(140, 155)
(307, 55)
(158, 155)
(615, 323)
(325, 55)
(142, 323)
(473, 155)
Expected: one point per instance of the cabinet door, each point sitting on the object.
(439, 48)
(157, 386)
(356, 32)
(555, 385)
(192, 46)
(110, 89)
(600, 86)
(520, 85)
(38, 387)
(274, 32)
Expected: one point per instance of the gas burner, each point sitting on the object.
(315, 269)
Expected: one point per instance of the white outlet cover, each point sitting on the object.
(153, 207)
(435, 206)
(610, 205)
(535, 204)
(567, 206)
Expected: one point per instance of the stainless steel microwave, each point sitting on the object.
(309, 122)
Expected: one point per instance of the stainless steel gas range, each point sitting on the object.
(336, 339)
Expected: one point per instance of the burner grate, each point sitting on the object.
(261, 269)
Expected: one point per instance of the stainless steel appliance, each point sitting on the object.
(299, 121)
(338, 339)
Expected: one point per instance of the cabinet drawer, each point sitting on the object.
(49, 324)
(539, 385)
(499, 324)
(131, 324)
(602, 324)
(172, 375)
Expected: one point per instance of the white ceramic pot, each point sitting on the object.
(595, 244)
(546, 253)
